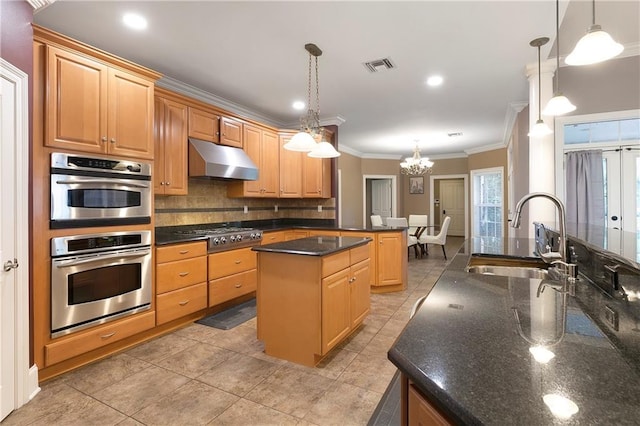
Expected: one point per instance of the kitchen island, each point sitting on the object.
(312, 293)
(465, 355)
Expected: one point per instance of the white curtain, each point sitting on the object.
(585, 187)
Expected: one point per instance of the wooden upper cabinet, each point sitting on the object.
(316, 177)
(204, 125)
(230, 132)
(290, 170)
(263, 148)
(92, 107)
(170, 136)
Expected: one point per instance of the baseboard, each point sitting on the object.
(32, 382)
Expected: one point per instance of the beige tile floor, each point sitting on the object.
(201, 375)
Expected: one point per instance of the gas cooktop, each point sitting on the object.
(226, 238)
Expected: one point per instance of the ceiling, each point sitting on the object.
(250, 55)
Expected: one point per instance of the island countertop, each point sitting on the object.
(313, 246)
(468, 351)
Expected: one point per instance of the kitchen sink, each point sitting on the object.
(509, 271)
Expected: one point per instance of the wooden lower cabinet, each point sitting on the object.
(417, 410)
(295, 234)
(231, 274)
(97, 337)
(272, 237)
(181, 280)
(309, 304)
(392, 262)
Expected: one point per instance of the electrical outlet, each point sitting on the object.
(275, 208)
(320, 209)
(246, 209)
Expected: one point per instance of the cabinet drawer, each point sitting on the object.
(231, 262)
(272, 237)
(180, 251)
(334, 263)
(85, 341)
(359, 254)
(179, 303)
(180, 274)
(227, 288)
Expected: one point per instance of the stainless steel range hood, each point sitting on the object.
(207, 159)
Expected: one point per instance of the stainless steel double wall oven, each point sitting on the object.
(97, 277)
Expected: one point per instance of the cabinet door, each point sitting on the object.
(373, 246)
(389, 264)
(76, 99)
(290, 171)
(336, 320)
(253, 148)
(230, 132)
(158, 146)
(269, 164)
(204, 125)
(316, 177)
(175, 148)
(272, 237)
(421, 412)
(359, 292)
(130, 117)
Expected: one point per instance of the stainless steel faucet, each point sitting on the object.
(562, 217)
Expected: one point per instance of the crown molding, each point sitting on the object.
(510, 118)
(484, 148)
(332, 121)
(346, 150)
(220, 102)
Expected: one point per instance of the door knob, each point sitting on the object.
(614, 218)
(9, 265)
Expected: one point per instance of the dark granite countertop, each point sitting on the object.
(174, 234)
(468, 351)
(313, 246)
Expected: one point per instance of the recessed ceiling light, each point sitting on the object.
(134, 21)
(435, 80)
(299, 105)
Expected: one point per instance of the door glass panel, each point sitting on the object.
(605, 131)
(487, 191)
(630, 129)
(102, 198)
(576, 133)
(103, 283)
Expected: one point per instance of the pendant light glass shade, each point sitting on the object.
(323, 150)
(558, 105)
(416, 165)
(539, 129)
(596, 46)
(301, 142)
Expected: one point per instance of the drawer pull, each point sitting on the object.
(184, 251)
(238, 262)
(238, 285)
(183, 274)
(106, 336)
(183, 303)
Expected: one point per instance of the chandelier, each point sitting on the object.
(310, 129)
(416, 165)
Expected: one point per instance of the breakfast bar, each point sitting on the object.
(312, 293)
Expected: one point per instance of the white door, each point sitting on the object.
(14, 323)
(452, 204)
(7, 248)
(381, 197)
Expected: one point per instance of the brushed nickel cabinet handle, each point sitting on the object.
(183, 303)
(184, 251)
(183, 274)
(104, 139)
(106, 336)
(238, 285)
(113, 140)
(238, 262)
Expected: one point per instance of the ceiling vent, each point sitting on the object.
(379, 65)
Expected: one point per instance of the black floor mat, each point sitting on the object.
(232, 317)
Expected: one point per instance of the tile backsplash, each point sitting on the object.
(207, 202)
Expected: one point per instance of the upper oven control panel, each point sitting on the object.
(67, 162)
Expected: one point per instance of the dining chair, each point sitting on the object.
(440, 238)
(401, 222)
(418, 224)
(376, 220)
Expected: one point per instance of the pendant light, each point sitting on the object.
(539, 129)
(305, 139)
(559, 104)
(596, 46)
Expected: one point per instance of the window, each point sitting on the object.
(487, 202)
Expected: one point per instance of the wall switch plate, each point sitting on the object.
(275, 208)
(246, 209)
(320, 209)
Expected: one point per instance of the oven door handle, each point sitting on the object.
(100, 258)
(101, 182)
